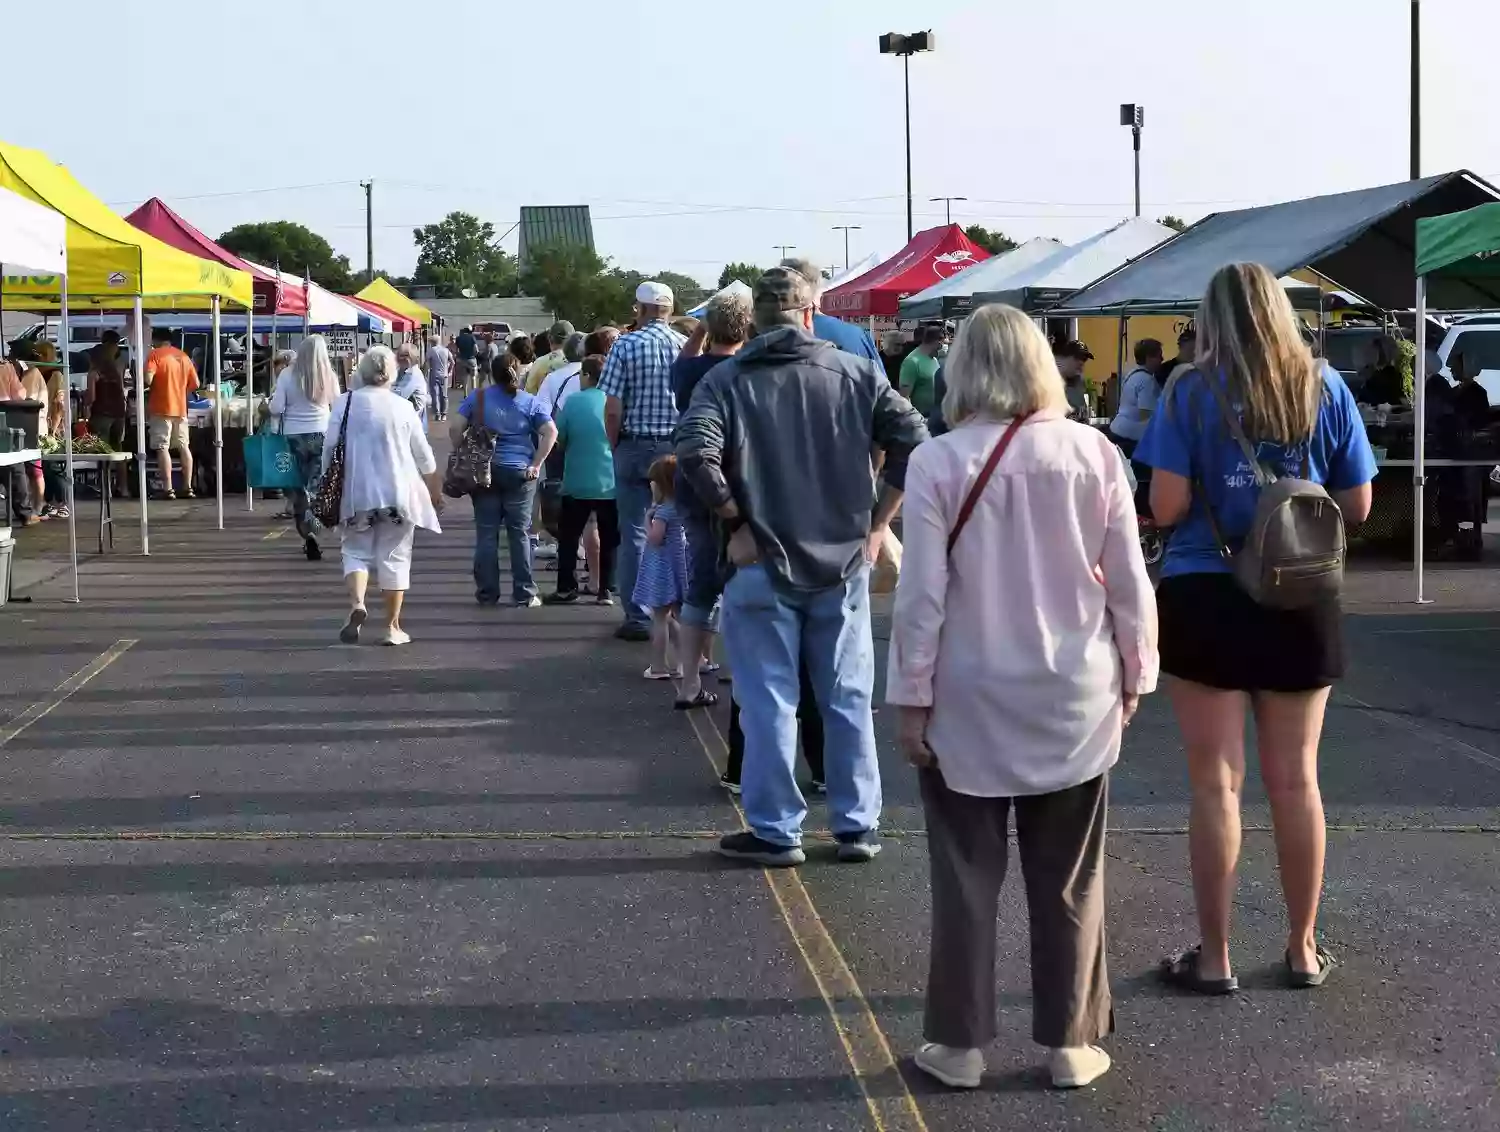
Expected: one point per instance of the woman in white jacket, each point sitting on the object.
(391, 488)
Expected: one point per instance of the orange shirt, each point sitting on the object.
(173, 376)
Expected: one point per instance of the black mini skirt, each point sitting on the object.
(1213, 633)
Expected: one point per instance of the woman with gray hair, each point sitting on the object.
(305, 391)
(411, 385)
(391, 488)
(1023, 611)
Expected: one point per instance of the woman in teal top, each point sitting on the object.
(1224, 652)
(588, 485)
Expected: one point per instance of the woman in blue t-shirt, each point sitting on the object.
(1224, 651)
(524, 435)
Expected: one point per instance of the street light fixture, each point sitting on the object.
(846, 229)
(1135, 117)
(906, 46)
(947, 201)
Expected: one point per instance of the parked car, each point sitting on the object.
(1478, 340)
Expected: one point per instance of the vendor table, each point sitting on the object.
(25, 456)
(1393, 511)
(100, 460)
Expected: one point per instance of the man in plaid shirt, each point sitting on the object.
(640, 417)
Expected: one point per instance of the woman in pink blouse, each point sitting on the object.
(1024, 636)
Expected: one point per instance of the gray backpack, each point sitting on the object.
(1293, 556)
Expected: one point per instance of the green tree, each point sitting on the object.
(573, 281)
(1176, 223)
(687, 291)
(995, 242)
(746, 273)
(460, 252)
(293, 248)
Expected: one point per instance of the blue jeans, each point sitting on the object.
(767, 633)
(307, 450)
(633, 459)
(437, 390)
(506, 502)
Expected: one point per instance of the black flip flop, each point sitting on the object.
(1182, 973)
(704, 698)
(1306, 980)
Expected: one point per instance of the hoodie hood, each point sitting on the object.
(781, 346)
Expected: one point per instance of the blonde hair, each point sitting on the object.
(377, 367)
(1248, 332)
(313, 371)
(999, 367)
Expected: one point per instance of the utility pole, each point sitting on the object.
(369, 188)
(846, 229)
(1416, 89)
(948, 201)
(784, 248)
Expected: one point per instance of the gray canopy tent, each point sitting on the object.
(1366, 240)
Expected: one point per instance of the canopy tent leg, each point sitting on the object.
(104, 469)
(1119, 366)
(1419, 453)
(216, 368)
(249, 398)
(140, 420)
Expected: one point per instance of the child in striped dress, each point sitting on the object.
(662, 581)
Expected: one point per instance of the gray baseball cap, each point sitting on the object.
(782, 289)
(560, 332)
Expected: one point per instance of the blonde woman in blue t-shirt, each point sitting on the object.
(1224, 652)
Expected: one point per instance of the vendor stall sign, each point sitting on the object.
(340, 341)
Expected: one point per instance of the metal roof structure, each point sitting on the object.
(546, 224)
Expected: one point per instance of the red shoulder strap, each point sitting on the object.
(983, 479)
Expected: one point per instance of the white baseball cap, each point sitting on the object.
(651, 293)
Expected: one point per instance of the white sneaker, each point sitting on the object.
(956, 1068)
(545, 550)
(532, 602)
(396, 637)
(1077, 1066)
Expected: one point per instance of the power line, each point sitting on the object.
(240, 192)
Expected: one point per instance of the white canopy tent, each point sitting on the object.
(1066, 270)
(34, 241)
(952, 297)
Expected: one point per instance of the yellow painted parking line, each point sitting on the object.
(891, 1104)
(277, 533)
(45, 708)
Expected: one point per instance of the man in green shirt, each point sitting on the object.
(588, 485)
(920, 368)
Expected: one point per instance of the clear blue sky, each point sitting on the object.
(754, 124)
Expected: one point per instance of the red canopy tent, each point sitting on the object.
(399, 322)
(931, 256)
(156, 219)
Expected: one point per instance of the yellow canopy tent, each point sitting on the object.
(112, 263)
(383, 294)
(109, 259)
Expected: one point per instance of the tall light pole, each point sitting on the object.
(948, 201)
(1416, 89)
(1135, 117)
(846, 229)
(784, 248)
(906, 46)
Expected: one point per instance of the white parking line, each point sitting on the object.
(41, 710)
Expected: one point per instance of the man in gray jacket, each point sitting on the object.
(777, 441)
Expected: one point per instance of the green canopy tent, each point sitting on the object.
(1463, 247)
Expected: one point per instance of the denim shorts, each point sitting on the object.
(705, 582)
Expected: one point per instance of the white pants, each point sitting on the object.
(384, 550)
